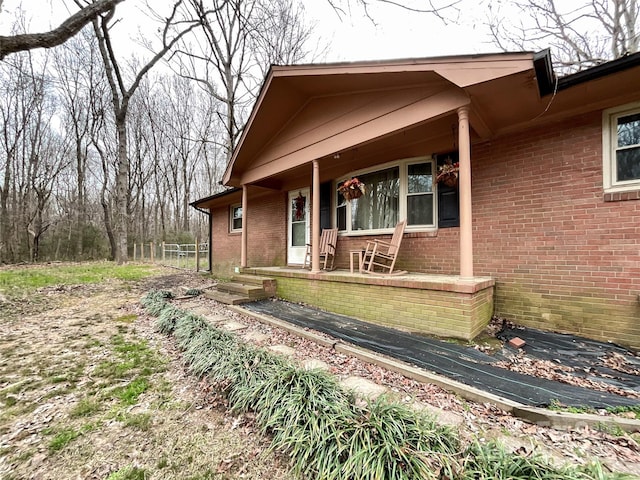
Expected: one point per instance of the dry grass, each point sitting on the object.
(89, 390)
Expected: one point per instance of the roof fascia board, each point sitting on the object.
(399, 65)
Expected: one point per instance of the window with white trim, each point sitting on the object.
(621, 148)
(397, 191)
(235, 220)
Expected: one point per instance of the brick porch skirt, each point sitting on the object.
(441, 305)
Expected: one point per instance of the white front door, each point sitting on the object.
(298, 226)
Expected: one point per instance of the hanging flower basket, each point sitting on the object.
(448, 174)
(449, 179)
(352, 189)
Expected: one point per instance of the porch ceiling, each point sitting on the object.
(371, 112)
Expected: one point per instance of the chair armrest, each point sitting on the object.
(381, 242)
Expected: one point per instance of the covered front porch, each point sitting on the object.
(390, 124)
(442, 305)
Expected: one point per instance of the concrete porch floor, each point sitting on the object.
(421, 281)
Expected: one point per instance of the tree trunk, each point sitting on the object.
(120, 216)
(81, 208)
(106, 211)
(4, 214)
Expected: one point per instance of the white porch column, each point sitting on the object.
(315, 219)
(466, 236)
(243, 242)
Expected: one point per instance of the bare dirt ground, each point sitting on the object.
(60, 420)
(67, 409)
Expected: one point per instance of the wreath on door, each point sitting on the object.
(299, 203)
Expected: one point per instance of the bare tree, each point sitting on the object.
(70, 27)
(438, 8)
(284, 36)
(121, 96)
(580, 37)
(80, 81)
(221, 56)
(232, 53)
(48, 159)
(21, 97)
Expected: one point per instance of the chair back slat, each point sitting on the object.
(397, 238)
(332, 239)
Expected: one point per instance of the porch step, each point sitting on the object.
(268, 283)
(253, 292)
(243, 289)
(225, 297)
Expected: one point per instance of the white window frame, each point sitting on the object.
(232, 210)
(609, 147)
(403, 166)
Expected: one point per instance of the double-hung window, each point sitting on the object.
(396, 191)
(420, 194)
(621, 148)
(235, 220)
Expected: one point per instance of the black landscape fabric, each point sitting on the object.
(464, 364)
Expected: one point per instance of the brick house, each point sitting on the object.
(543, 227)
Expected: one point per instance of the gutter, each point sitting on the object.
(599, 71)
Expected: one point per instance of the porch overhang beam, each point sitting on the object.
(421, 111)
(270, 184)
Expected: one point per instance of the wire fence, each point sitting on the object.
(187, 256)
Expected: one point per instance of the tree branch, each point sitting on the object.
(53, 38)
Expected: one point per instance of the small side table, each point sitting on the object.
(352, 255)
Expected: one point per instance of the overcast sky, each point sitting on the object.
(396, 33)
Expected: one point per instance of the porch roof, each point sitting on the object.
(351, 115)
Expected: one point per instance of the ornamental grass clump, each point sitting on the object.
(193, 292)
(492, 461)
(207, 347)
(246, 365)
(155, 301)
(304, 411)
(186, 329)
(391, 440)
(168, 317)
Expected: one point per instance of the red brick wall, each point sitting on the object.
(563, 257)
(419, 252)
(267, 227)
(267, 223)
(225, 246)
